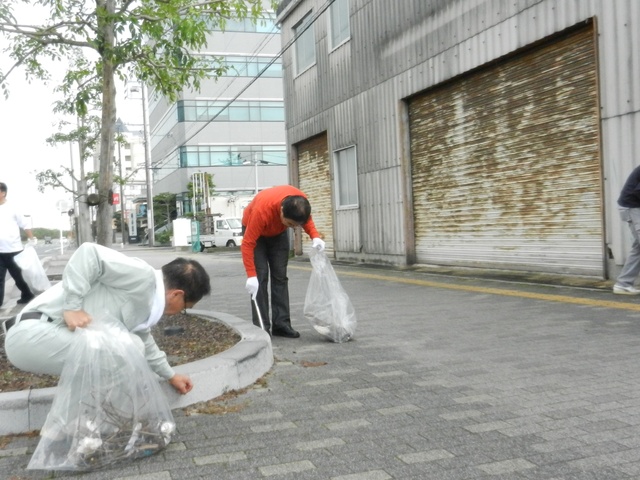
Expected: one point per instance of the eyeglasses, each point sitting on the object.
(184, 303)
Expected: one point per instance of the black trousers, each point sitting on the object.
(271, 258)
(7, 263)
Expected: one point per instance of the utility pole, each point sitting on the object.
(151, 230)
(255, 162)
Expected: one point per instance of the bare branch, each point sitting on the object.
(44, 36)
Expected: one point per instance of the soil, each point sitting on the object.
(184, 338)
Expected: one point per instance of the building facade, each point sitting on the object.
(233, 128)
(475, 133)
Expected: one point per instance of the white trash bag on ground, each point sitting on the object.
(108, 407)
(327, 305)
(32, 270)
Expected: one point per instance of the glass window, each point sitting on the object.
(272, 114)
(274, 70)
(188, 156)
(266, 25)
(219, 158)
(230, 155)
(234, 25)
(305, 44)
(339, 22)
(346, 168)
(234, 222)
(248, 66)
(204, 157)
(238, 111)
(274, 155)
(263, 25)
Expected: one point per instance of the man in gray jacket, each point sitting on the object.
(98, 282)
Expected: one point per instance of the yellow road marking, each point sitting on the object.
(494, 291)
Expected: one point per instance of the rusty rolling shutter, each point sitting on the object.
(505, 164)
(315, 182)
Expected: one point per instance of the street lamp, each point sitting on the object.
(253, 162)
(135, 88)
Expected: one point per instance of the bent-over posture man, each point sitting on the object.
(98, 281)
(265, 251)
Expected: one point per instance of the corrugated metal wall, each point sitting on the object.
(506, 165)
(397, 52)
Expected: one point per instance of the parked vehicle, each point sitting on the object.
(220, 231)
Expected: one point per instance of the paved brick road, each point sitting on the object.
(448, 378)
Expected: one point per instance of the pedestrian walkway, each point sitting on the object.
(447, 378)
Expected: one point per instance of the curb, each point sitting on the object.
(233, 369)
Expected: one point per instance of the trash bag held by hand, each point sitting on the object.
(108, 407)
(326, 304)
(32, 270)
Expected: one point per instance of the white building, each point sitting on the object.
(233, 128)
(477, 133)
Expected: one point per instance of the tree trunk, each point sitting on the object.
(107, 129)
(84, 214)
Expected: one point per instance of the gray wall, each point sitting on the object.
(355, 93)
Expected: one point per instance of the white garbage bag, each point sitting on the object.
(108, 408)
(327, 305)
(32, 270)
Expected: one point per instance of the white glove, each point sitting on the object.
(252, 286)
(318, 243)
(32, 241)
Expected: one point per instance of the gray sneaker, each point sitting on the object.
(622, 290)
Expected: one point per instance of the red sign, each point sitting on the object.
(116, 199)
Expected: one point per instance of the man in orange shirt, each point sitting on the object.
(265, 251)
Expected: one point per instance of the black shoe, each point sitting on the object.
(22, 301)
(285, 331)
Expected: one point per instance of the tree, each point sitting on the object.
(85, 134)
(164, 208)
(154, 41)
(200, 189)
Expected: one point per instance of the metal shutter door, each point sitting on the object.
(315, 182)
(506, 168)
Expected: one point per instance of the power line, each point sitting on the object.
(289, 44)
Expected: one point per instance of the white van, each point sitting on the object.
(221, 232)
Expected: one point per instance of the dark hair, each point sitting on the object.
(3, 187)
(296, 208)
(187, 275)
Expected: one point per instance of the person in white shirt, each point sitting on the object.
(11, 221)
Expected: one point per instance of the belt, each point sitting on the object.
(10, 322)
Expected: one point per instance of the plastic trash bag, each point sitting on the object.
(32, 270)
(108, 407)
(327, 305)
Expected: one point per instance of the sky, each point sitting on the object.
(26, 121)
